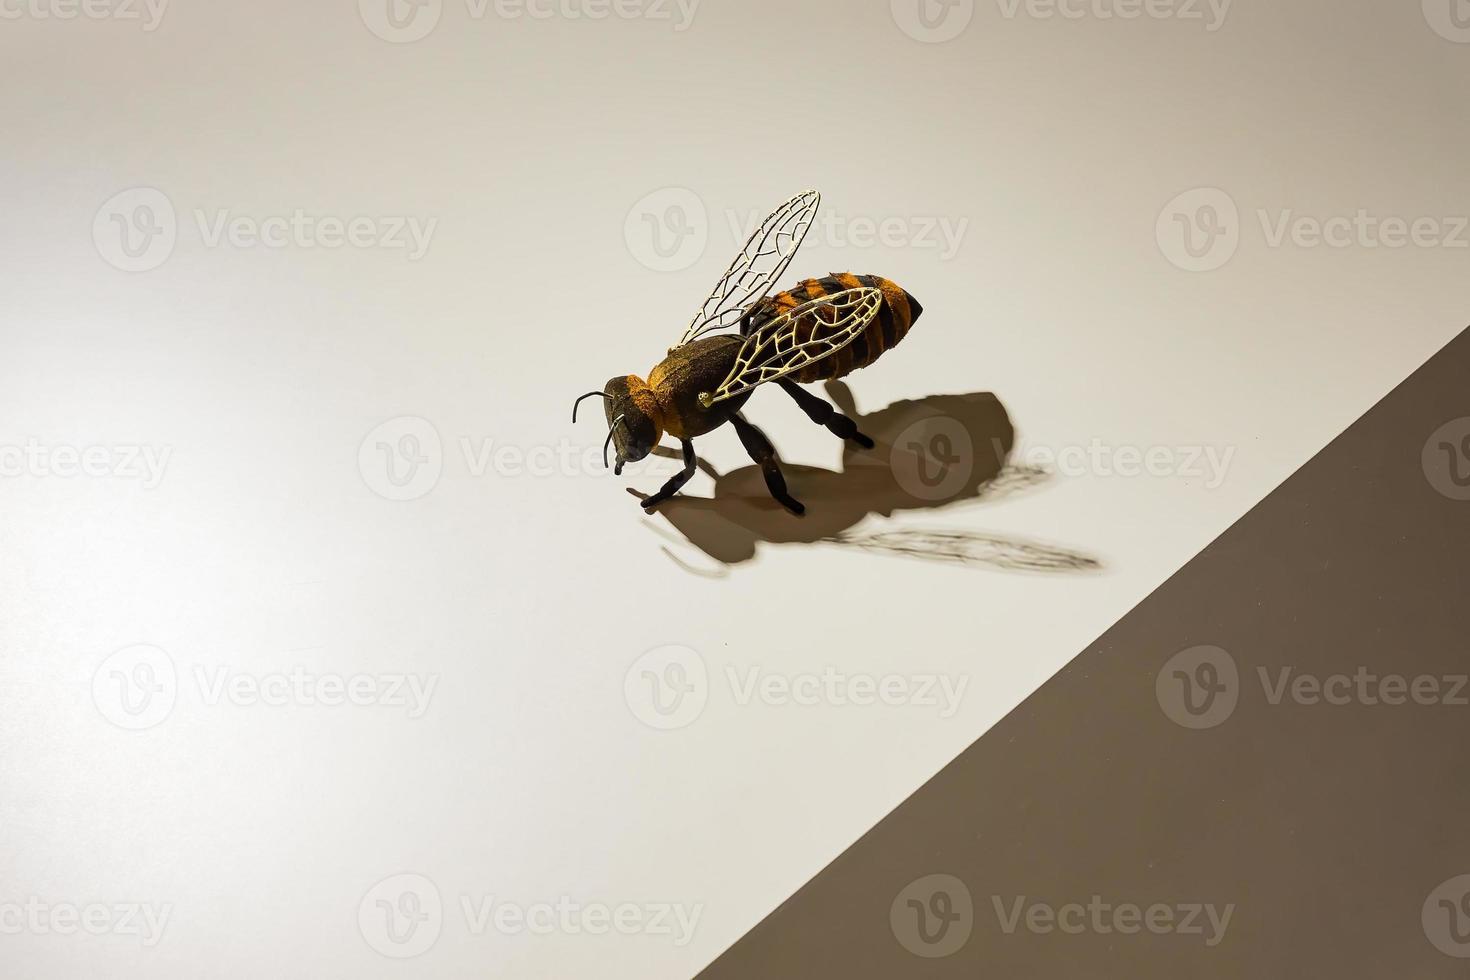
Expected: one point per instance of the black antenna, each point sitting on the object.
(611, 429)
(578, 403)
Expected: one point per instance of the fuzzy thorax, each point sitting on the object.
(647, 401)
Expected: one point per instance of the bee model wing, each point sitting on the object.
(757, 267)
(797, 339)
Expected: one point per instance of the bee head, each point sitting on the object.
(633, 421)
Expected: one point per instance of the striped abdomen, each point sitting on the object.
(897, 315)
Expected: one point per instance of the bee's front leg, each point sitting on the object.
(677, 481)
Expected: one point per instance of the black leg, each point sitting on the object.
(677, 481)
(823, 414)
(764, 454)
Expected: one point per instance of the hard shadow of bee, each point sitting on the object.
(942, 451)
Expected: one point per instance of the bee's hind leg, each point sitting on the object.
(677, 481)
(823, 414)
(764, 454)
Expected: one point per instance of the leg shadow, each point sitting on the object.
(936, 452)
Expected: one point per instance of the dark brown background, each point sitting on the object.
(1327, 826)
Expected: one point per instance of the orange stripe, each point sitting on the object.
(899, 300)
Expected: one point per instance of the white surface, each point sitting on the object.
(528, 598)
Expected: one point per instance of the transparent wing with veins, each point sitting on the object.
(757, 267)
(797, 339)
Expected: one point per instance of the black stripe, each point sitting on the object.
(885, 314)
(914, 307)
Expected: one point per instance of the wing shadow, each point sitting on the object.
(936, 452)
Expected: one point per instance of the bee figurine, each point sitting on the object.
(820, 329)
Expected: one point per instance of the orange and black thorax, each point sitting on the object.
(699, 366)
(894, 319)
